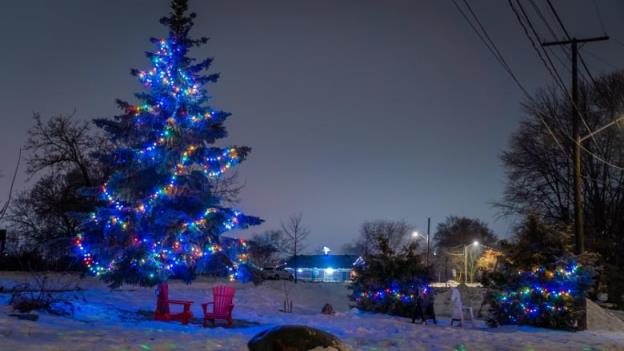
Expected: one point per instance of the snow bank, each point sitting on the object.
(599, 319)
(120, 320)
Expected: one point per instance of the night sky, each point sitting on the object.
(355, 109)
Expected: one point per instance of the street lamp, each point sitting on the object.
(416, 235)
(474, 244)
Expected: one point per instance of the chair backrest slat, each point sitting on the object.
(223, 296)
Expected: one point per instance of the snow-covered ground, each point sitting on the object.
(120, 320)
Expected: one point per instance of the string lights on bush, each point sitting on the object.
(546, 296)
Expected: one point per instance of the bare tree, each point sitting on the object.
(266, 248)
(296, 233)
(62, 143)
(227, 187)
(459, 231)
(396, 234)
(539, 166)
(61, 151)
(452, 236)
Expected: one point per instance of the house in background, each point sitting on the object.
(323, 268)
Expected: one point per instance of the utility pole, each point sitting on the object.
(3, 238)
(428, 240)
(466, 264)
(579, 228)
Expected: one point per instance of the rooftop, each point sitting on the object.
(322, 261)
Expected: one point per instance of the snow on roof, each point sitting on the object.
(322, 261)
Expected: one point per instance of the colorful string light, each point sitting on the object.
(180, 128)
(390, 294)
(543, 295)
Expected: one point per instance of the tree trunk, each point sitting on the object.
(296, 265)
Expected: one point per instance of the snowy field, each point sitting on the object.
(120, 320)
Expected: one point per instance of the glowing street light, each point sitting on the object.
(416, 235)
(474, 244)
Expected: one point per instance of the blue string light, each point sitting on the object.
(173, 114)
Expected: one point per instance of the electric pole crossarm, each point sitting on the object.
(574, 40)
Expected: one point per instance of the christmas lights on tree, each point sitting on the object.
(548, 296)
(160, 215)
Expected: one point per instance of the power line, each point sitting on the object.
(567, 35)
(541, 15)
(554, 35)
(580, 115)
(599, 17)
(538, 48)
(618, 41)
(484, 36)
(599, 158)
(602, 60)
(491, 46)
(552, 8)
(500, 58)
(545, 59)
(602, 25)
(553, 72)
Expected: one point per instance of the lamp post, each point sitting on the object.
(416, 235)
(474, 244)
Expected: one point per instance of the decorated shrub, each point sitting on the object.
(388, 281)
(550, 296)
(541, 284)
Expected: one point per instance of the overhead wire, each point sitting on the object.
(491, 46)
(602, 25)
(549, 65)
(591, 133)
(553, 34)
(559, 80)
(602, 60)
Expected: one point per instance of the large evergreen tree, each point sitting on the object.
(160, 214)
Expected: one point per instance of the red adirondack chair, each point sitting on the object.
(222, 305)
(163, 313)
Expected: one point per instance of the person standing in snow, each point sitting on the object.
(424, 306)
(457, 306)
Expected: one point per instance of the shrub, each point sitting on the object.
(388, 282)
(551, 296)
(33, 261)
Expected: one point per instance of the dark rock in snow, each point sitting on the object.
(328, 309)
(294, 338)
